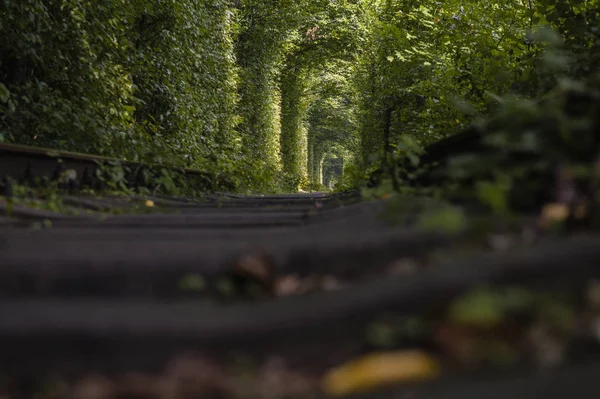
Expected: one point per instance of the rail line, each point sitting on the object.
(25, 164)
(117, 283)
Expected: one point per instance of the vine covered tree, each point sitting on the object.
(271, 91)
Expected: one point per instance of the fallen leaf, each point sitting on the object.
(192, 282)
(311, 284)
(190, 376)
(377, 370)
(275, 380)
(257, 266)
(288, 285)
(94, 387)
(548, 350)
(480, 308)
(554, 213)
(253, 275)
(403, 267)
(150, 204)
(457, 342)
(448, 220)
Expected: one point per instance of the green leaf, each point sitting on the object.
(447, 219)
(381, 335)
(479, 308)
(4, 93)
(192, 282)
(493, 195)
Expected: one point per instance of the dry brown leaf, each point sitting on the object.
(458, 343)
(257, 266)
(288, 285)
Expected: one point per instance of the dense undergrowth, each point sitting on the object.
(284, 95)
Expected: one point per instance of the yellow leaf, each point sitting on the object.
(554, 213)
(150, 204)
(380, 369)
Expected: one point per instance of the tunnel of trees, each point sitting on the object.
(282, 94)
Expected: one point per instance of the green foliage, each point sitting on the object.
(317, 113)
(332, 129)
(487, 307)
(270, 91)
(184, 72)
(537, 151)
(422, 56)
(429, 67)
(294, 139)
(265, 30)
(63, 74)
(144, 80)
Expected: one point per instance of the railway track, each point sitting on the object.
(32, 165)
(110, 283)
